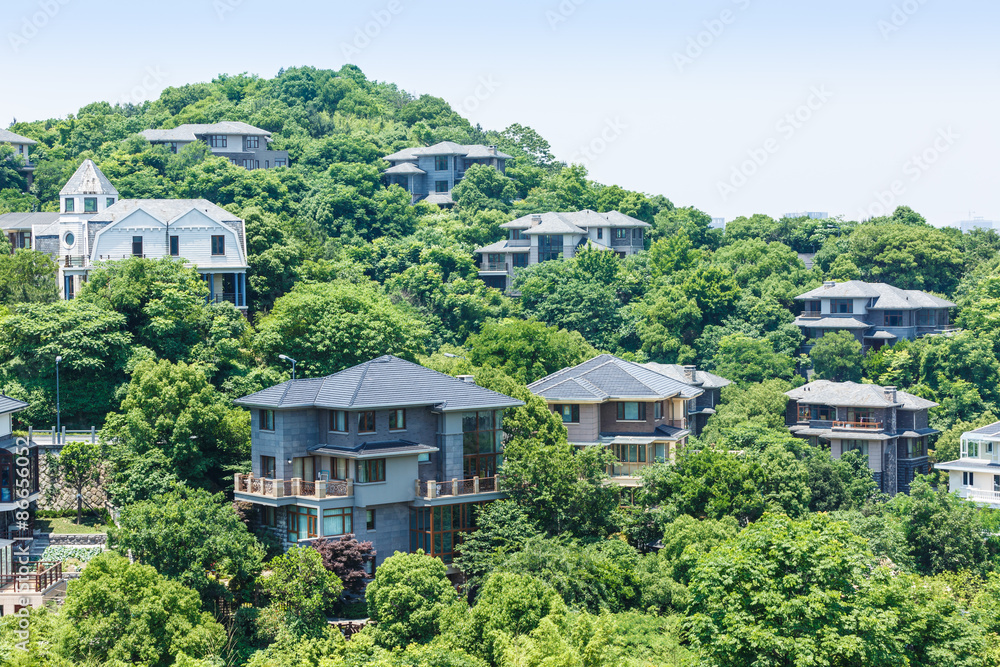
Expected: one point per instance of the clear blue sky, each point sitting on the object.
(888, 80)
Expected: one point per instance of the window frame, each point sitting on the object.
(174, 246)
(69, 205)
(394, 416)
(345, 514)
(336, 418)
(895, 318)
(573, 414)
(658, 410)
(622, 411)
(265, 420)
(439, 160)
(252, 143)
(218, 141)
(137, 242)
(90, 204)
(268, 464)
(370, 471)
(835, 305)
(311, 521)
(440, 187)
(218, 245)
(368, 417)
(482, 448)
(370, 521)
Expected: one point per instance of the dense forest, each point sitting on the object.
(769, 552)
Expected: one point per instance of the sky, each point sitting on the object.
(736, 107)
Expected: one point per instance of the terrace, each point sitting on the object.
(263, 487)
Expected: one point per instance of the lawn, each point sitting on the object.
(67, 525)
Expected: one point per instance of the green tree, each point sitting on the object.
(837, 356)
(743, 359)
(510, 605)
(527, 350)
(502, 528)
(274, 256)
(26, 276)
(77, 465)
(692, 222)
(484, 188)
(906, 256)
(301, 591)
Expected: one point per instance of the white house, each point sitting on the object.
(976, 473)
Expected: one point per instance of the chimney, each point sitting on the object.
(689, 372)
(467, 379)
(492, 150)
(829, 283)
(536, 219)
(890, 394)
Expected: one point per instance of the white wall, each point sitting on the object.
(5, 424)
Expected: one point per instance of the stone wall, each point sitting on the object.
(62, 498)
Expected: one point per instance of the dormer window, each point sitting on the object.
(70, 205)
(90, 204)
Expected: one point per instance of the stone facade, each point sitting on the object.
(56, 496)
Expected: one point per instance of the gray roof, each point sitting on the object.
(579, 220)
(8, 137)
(404, 169)
(164, 210)
(882, 335)
(26, 220)
(886, 296)
(375, 449)
(606, 377)
(852, 394)
(8, 404)
(191, 132)
(439, 198)
(990, 430)
(386, 382)
(702, 379)
(972, 465)
(552, 223)
(88, 180)
(472, 151)
(831, 323)
(503, 246)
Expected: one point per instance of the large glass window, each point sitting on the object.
(550, 246)
(366, 422)
(570, 413)
(338, 421)
(482, 443)
(338, 522)
(860, 416)
(304, 468)
(439, 531)
(441, 163)
(371, 470)
(854, 445)
(630, 453)
(519, 259)
(631, 411)
(267, 467)
(842, 306)
(253, 143)
(441, 186)
(302, 523)
(894, 318)
(821, 413)
(90, 204)
(218, 141)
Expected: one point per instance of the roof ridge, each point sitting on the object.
(364, 374)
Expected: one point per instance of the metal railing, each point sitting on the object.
(494, 266)
(430, 489)
(859, 426)
(295, 487)
(52, 438)
(48, 574)
(620, 469)
(223, 297)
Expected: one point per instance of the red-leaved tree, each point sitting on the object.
(346, 558)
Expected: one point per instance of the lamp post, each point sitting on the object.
(285, 357)
(58, 406)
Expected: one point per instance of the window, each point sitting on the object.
(632, 412)
(173, 146)
(70, 204)
(996, 483)
(424, 457)
(519, 259)
(218, 245)
(600, 233)
(397, 420)
(570, 413)
(968, 479)
(926, 318)
(441, 186)
(842, 306)
(109, 202)
(90, 204)
(301, 523)
(175, 246)
(218, 141)
(636, 234)
(366, 422)
(630, 453)
(894, 318)
(69, 239)
(279, 162)
(621, 233)
(338, 468)
(251, 164)
(137, 246)
(439, 531)
(267, 467)
(338, 522)
(518, 235)
(550, 246)
(70, 287)
(338, 421)
(854, 445)
(657, 410)
(369, 519)
(252, 142)
(371, 470)
(482, 443)
(860, 416)
(804, 413)
(268, 516)
(813, 307)
(266, 420)
(441, 163)
(911, 448)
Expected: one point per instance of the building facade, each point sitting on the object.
(431, 173)
(875, 313)
(975, 475)
(889, 426)
(244, 145)
(95, 226)
(21, 146)
(638, 413)
(548, 236)
(388, 451)
(702, 407)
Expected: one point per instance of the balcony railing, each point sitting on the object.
(858, 426)
(494, 266)
(46, 575)
(431, 489)
(74, 261)
(981, 496)
(223, 297)
(619, 469)
(295, 487)
(51, 437)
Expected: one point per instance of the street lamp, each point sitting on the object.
(285, 357)
(58, 407)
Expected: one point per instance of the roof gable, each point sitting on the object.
(606, 377)
(88, 180)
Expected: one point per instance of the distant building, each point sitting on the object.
(431, 173)
(94, 225)
(976, 223)
(976, 474)
(875, 313)
(542, 237)
(711, 385)
(813, 215)
(244, 145)
(717, 223)
(21, 146)
(889, 426)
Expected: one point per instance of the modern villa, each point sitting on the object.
(711, 385)
(431, 173)
(547, 236)
(244, 145)
(20, 145)
(389, 451)
(642, 415)
(875, 313)
(976, 474)
(94, 225)
(889, 426)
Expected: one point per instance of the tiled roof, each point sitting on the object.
(607, 377)
(990, 430)
(8, 137)
(164, 210)
(831, 323)
(191, 131)
(8, 404)
(887, 297)
(88, 180)
(580, 220)
(472, 151)
(499, 246)
(439, 198)
(852, 394)
(553, 223)
(381, 383)
(702, 379)
(26, 220)
(404, 169)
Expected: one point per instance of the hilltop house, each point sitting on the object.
(642, 415)
(20, 145)
(875, 313)
(244, 145)
(388, 450)
(542, 237)
(94, 225)
(975, 475)
(711, 385)
(431, 173)
(889, 426)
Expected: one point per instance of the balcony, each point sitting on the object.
(46, 575)
(619, 469)
(857, 426)
(431, 489)
(74, 261)
(263, 487)
(494, 267)
(224, 297)
(981, 496)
